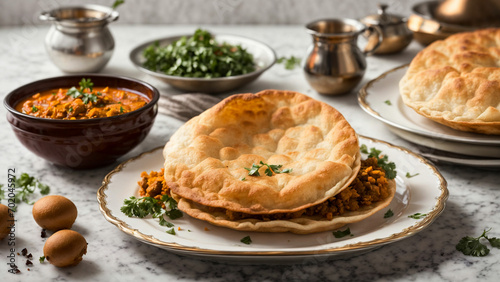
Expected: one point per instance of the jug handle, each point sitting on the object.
(113, 16)
(45, 16)
(379, 36)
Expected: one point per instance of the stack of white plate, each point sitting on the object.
(380, 98)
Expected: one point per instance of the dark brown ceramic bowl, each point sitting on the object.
(86, 143)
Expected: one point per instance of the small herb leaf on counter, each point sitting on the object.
(246, 240)
(25, 186)
(472, 246)
(388, 102)
(117, 3)
(340, 233)
(290, 62)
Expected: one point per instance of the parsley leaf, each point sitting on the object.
(494, 242)
(42, 259)
(388, 102)
(270, 170)
(164, 222)
(418, 215)
(142, 207)
(382, 161)
(117, 3)
(25, 186)
(85, 84)
(363, 149)
(2, 192)
(171, 231)
(340, 233)
(246, 240)
(34, 109)
(290, 62)
(472, 246)
(408, 175)
(388, 214)
(254, 170)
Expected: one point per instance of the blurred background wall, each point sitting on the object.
(266, 12)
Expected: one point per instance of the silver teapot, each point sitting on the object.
(79, 39)
(335, 63)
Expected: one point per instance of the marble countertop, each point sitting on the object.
(112, 255)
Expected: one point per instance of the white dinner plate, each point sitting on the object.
(459, 148)
(426, 193)
(380, 98)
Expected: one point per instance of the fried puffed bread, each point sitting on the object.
(456, 82)
(206, 160)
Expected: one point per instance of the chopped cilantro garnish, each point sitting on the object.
(388, 214)
(408, 175)
(340, 233)
(418, 215)
(270, 170)
(382, 161)
(246, 240)
(34, 109)
(81, 93)
(141, 207)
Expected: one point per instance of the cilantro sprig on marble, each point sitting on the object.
(289, 62)
(382, 161)
(472, 246)
(270, 170)
(24, 187)
(144, 206)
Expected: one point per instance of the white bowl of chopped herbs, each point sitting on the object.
(203, 62)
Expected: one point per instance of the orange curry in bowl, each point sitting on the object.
(85, 102)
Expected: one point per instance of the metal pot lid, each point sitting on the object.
(383, 18)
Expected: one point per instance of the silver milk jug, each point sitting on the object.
(79, 39)
(334, 62)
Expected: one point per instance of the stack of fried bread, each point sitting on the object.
(456, 82)
(303, 153)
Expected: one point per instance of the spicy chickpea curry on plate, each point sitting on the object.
(85, 102)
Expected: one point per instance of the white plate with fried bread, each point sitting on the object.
(381, 99)
(426, 193)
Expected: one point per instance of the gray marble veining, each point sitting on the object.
(113, 256)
